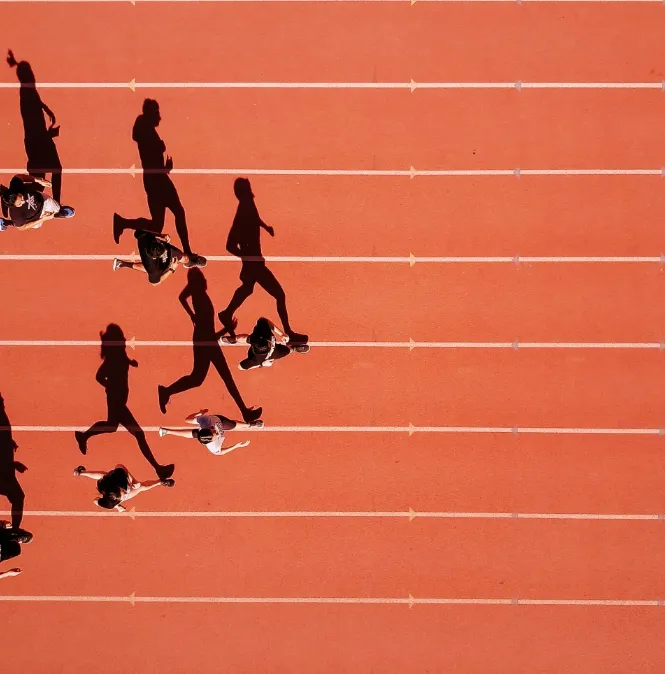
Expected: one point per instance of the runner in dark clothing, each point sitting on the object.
(24, 206)
(263, 346)
(159, 259)
(10, 546)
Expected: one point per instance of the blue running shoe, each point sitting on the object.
(65, 212)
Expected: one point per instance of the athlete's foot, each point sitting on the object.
(301, 348)
(245, 368)
(162, 432)
(65, 212)
(22, 536)
(118, 264)
(256, 424)
(165, 472)
(226, 319)
(297, 338)
(168, 483)
(78, 470)
(194, 260)
(118, 229)
(164, 398)
(82, 441)
(3, 225)
(252, 414)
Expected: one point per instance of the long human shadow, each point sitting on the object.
(113, 375)
(207, 350)
(40, 147)
(9, 467)
(244, 241)
(159, 188)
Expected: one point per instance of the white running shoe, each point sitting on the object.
(116, 264)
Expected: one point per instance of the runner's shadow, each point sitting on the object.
(244, 241)
(207, 350)
(159, 188)
(113, 375)
(9, 467)
(39, 141)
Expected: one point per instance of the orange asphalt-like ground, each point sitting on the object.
(178, 556)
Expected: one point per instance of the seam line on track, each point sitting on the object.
(411, 344)
(342, 259)
(411, 86)
(410, 515)
(410, 429)
(411, 172)
(409, 601)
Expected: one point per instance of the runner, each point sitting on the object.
(118, 486)
(211, 430)
(159, 259)
(26, 207)
(264, 349)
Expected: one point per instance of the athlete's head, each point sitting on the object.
(204, 435)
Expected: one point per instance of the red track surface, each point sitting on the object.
(356, 557)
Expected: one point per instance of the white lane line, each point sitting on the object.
(411, 260)
(411, 86)
(410, 429)
(411, 2)
(411, 344)
(410, 173)
(410, 515)
(409, 601)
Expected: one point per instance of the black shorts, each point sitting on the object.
(254, 359)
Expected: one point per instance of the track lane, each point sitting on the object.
(343, 216)
(385, 42)
(455, 302)
(361, 473)
(350, 130)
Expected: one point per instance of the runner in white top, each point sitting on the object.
(211, 431)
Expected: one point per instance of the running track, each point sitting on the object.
(338, 551)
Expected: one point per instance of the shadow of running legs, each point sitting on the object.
(113, 375)
(207, 350)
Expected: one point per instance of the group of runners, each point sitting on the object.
(26, 205)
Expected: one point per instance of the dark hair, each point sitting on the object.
(108, 502)
(15, 188)
(111, 487)
(203, 435)
(261, 336)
